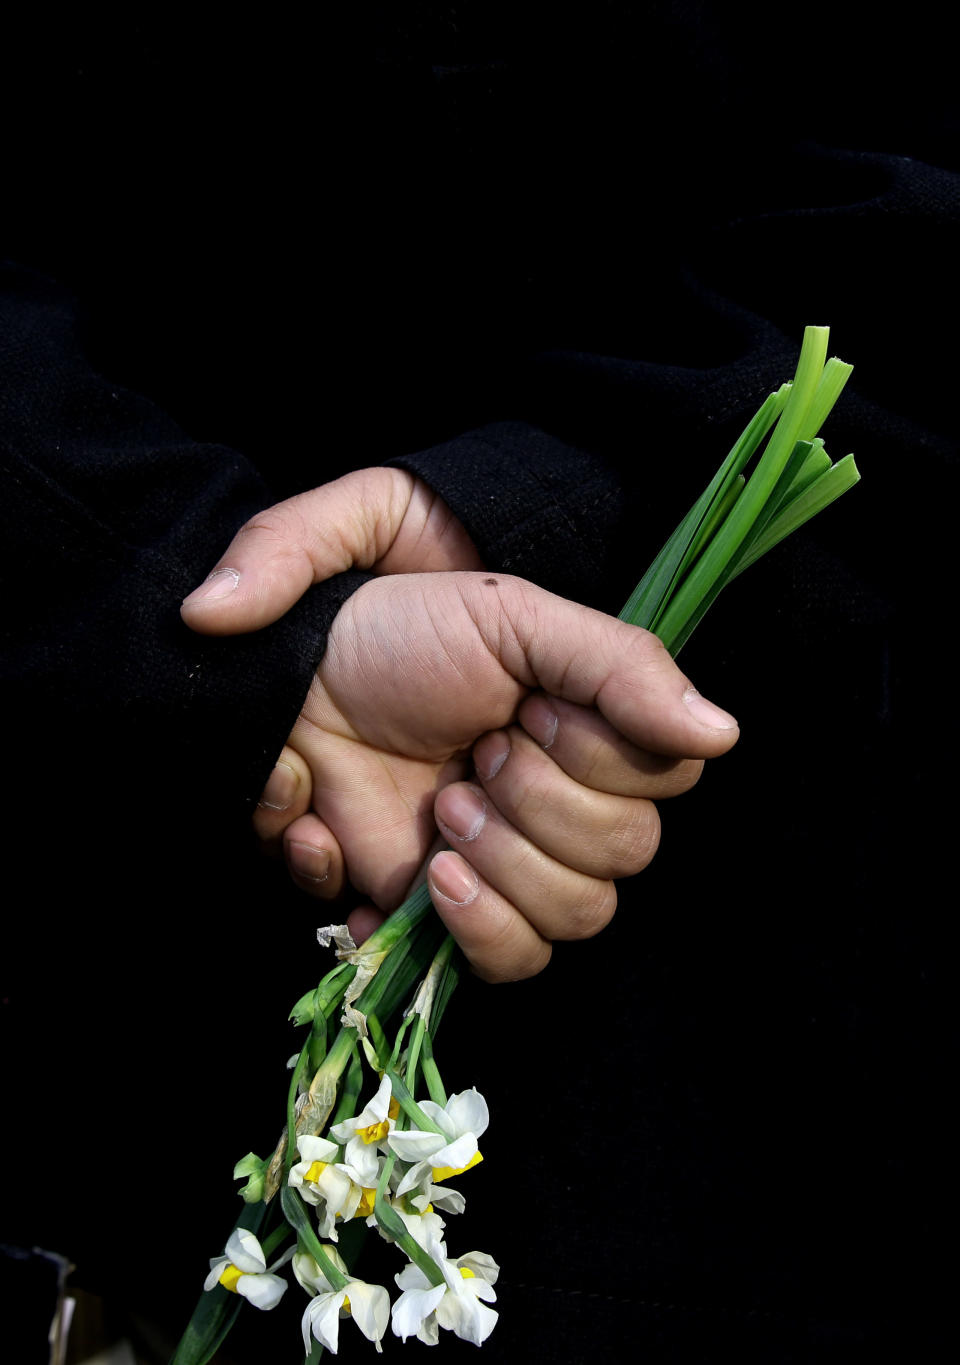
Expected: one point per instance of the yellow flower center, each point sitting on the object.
(467, 1273)
(346, 1305)
(446, 1172)
(374, 1132)
(313, 1172)
(230, 1277)
(365, 1207)
(394, 1108)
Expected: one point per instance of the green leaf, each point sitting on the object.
(656, 585)
(818, 495)
(701, 585)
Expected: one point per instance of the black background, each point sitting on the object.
(720, 1126)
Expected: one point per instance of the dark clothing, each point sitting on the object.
(552, 270)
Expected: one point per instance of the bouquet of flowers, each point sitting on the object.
(372, 1137)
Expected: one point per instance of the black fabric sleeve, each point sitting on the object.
(111, 515)
(534, 505)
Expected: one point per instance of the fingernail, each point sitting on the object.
(540, 720)
(461, 812)
(221, 583)
(706, 713)
(454, 878)
(309, 863)
(490, 753)
(281, 788)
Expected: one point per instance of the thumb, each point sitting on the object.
(584, 656)
(281, 552)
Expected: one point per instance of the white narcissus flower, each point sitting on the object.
(367, 1304)
(344, 1191)
(243, 1270)
(361, 1135)
(438, 1156)
(422, 1309)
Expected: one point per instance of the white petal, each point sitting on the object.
(483, 1266)
(413, 1144)
(464, 1315)
(263, 1291)
(429, 1332)
(422, 1227)
(440, 1117)
(444, 1197)
(369, 1308)
(412, 1307)
(245, 1252)
(416, 1176)
(469, 1113)
(296, 1178)
(312, 1148)
(455, 1154)
(380, 1103)
(335, 1187)
(346, 1129)
(323, 1317)
(327, 1222)
(216, 1270)
(361, 1163)
(309, 1275)
(411, 1277)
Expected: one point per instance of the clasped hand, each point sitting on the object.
(533, 734)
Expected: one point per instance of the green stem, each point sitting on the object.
(413, 1054)
(296, 1216)
(406, 917)
(276, 1239)
(395, 1228)
(431, 1073)
(409, 1106)
(292, 1093)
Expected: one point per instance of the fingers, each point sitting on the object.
(314, 858)
(583, 656)
(287, 827)
(362, 921)
(590, 750)
(505, 896)
(274, 558)
(498, 941)
(285, 796)
(559, 812)
(594, 832)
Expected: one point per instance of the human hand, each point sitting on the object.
(417, 668)
(381, 519)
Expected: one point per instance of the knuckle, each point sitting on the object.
(281, 528)
(685, 775)
(630, 843)
(505, 947)
(499, 971)
(592, 910)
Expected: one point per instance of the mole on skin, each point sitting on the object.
(490, 583)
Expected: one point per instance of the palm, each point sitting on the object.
(412, 676)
